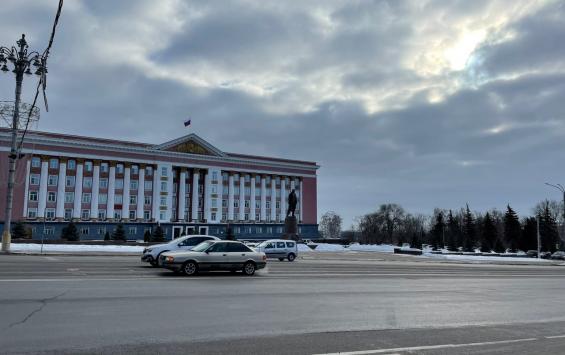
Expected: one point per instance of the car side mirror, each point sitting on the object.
(179, 244)
(207, 252)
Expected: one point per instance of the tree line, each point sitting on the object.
(462, 230)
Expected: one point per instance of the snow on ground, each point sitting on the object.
(483, 258)
(66, 248)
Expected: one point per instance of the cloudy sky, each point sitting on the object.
(423, 103)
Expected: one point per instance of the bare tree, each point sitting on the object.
(330, 225)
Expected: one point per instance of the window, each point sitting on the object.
(69, 197)
(164, 171)
(213, 216)
(200, 189)
(132, 230)
(278, 204)
(148, 185)
(246, 216)
(119, 184)
(214, 176)
(135, 169)
(236, 203)
(147, 200)
(35, 162)
(117, 214)
(102, 215)
(246, 204)
(68, 214)
(49, 230)
(51, 196)
(133, 199)
(162, 216)
(268, 192)
(88, 166)
(101, 230)
(53, 163)
(247, 178)
(248, 190)
(268, 219)
(257, 204)
(163, 186)
(104, 167)
(163, 201)
(50, 213)
(175, 188)
(52, 180)
(131, 215)
(84, 231)
(118, 199)
(256, 216)
(259, 230)
(34, 179)
(224, 203)
(119, 168)
(32, 213)
(289, 244)
(149, 171)
(268, 204)
(86, 197)
(33, 195)
(200, 202)
(102, 198)
(146, 215)
(87, 182)
(133, 184)
(224, 216)
(199, 216)
(225, 190)
(85, 214)
(238, 248)
(236, 190)
(214, 189)
(103, 183)
(70, 181)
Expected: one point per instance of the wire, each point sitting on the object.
(42, 83)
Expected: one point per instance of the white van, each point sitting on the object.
(279, 249)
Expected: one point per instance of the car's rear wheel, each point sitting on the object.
(281, 259)
(291, 257)
(153, 262)
(249, 268)
(190, 268)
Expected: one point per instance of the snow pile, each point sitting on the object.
(36, 248)
(480, 258)
(304, 248)
(329, 247)
(383, 248)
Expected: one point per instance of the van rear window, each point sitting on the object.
(280, 244)
(289, 245)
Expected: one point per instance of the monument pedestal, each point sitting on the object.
(290, 228)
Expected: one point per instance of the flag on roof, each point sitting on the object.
(187, 123)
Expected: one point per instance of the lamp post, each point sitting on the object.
(562, 190)
(21, 60)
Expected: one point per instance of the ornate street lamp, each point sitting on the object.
(21, 61)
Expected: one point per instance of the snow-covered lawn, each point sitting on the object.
(68, 248)
(480, 258)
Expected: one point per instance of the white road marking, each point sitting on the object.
(431, 347)
(555, 336)
(50, 258)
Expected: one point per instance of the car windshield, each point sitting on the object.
(179, 240)
(202, 246)
(262, 244)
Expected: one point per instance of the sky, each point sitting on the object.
(422, 103)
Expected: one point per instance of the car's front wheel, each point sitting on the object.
(249, 268)
(190, 268)
(158, 261)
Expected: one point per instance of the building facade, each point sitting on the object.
(186, 185)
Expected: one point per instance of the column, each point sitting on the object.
(273, 199)
(42, 198)
(241, 197)
(182, 196)
(169, 213)
(111, 192)
(207, 198)
(230, 197)
(283, 198)
(125, 203)
(300, 201)
(195, 181)
(263, 199)
(140, 193)
(156, 201)
(78, 192)
(252, 199)
(26, 192)
(95, 191)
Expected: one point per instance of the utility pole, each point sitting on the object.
(22, 61)
(538, 236)
(562, 189)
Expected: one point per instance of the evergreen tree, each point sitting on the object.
(107, 236)
(452, 233)
(437, 232)
(489, 234)
(512, 229)
(70, 233)
(529, 238)
(499, 246)
(119, 233)
(158, 234)
(147, 236)
(416, 241)
(548, 231)
(469, 232)
(19, 230)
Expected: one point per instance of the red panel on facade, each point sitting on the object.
(19, 189)
(309, 198)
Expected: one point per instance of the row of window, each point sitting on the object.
(50, 230)
(88, 166)
(268, 191)
(52, 180)
(87, 198)
(85, 214)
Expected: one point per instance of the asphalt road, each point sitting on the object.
(357, 304)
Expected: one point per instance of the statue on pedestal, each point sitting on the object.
(290, 222)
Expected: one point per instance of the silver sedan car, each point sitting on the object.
(215, 255)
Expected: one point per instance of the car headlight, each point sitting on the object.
(147, 250)
(169, 259)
